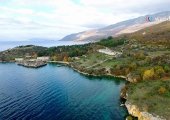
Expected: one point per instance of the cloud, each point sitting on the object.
(12, 29)
(125, 5)
(53, 19)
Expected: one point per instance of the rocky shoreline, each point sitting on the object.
(132, 109)
(141, 115)
(84, 73)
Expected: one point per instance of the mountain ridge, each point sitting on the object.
(127, 26)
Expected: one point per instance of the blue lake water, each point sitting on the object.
(56, 92)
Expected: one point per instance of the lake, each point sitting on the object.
(57, 92)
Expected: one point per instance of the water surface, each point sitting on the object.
(57, 92)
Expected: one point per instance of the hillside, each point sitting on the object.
(154, 98)
(20, 51)
(155, 35)
(143, 58)
(128, 26)
(145, 63)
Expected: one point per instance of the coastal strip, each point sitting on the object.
(132, 109)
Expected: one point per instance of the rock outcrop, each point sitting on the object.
(142, 115)
(131, 78)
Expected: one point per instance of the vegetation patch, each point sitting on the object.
(151, 96)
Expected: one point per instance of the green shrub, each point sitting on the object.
(167, 68)
(159, 71)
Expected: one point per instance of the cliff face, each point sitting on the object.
(142, 115)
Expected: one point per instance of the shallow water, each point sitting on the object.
(57, 92)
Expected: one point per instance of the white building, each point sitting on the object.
(110, 52)
(45, 58)
(19, 59)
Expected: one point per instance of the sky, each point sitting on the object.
(22, 20)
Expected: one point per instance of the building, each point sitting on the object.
(45, 58)
(110, 52)
(19, 59)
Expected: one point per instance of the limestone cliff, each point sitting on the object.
(142, 115)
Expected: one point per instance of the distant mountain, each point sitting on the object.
(128, 26)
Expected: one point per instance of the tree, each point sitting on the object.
(159, 71)
(133, 66)
(110, 37)
(148, 74)
(167, 68)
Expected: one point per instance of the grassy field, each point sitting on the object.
(111, 63)
(158, 53)
(151, 96)
(93, 59)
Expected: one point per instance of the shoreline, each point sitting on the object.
(108, 75)
(84, 73)
(133, 110)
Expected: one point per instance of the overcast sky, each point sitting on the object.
(53, 19)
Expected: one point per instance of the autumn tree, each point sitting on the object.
(148, 74)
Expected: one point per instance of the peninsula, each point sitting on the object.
(28, 61)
